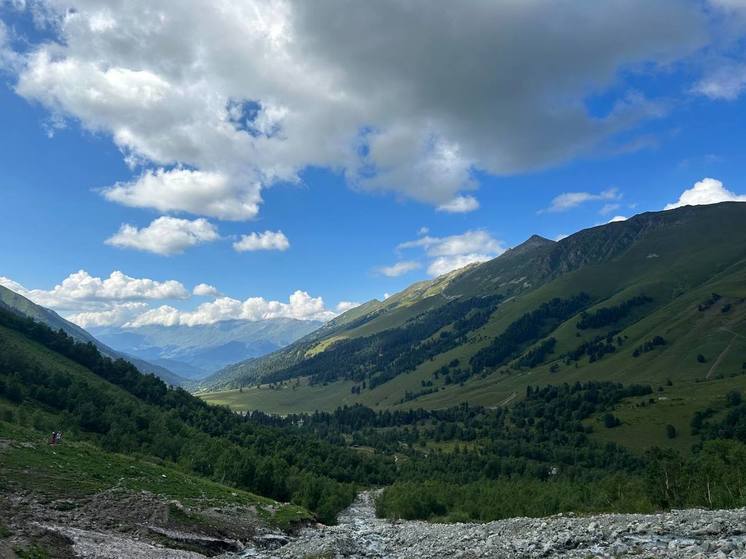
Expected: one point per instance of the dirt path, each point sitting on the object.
(720, 358)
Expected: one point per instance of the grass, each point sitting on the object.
(644, 426)
(688, 332)
(73, 470)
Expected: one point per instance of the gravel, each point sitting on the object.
(675, 534)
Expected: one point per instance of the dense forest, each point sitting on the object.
(533, 457)
(529, 328)
(605, 316)
(150, 418)
(375, 359)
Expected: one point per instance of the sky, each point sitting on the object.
(258, 159)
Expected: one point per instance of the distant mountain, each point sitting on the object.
(11, 300)
(661, 295)
(196, 351)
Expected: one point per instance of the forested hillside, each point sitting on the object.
(658, 296)
(50, 380)
(12, 301)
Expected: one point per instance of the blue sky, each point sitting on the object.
(329, 162)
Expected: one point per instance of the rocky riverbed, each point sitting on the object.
(676, 534)
(109, 533)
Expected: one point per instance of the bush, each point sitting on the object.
(733, 398)
(611, 421)
(671, 431)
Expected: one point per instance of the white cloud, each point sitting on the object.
(444, 264)
(116, 314)
(456, 251)
(162, 82)
(81, 290)
(706, 191)
(205, 290)
(725, 82)
(165, 235)
(120, 300)
(300, 306)
(608, 208)
(617, 218)
(344, 306)
(561, 236)
(460, 205)
(269, 240)
(213, 194)
(398, 269)
(570, 200)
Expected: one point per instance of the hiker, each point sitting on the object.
(53, 439)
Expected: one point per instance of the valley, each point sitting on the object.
(561, 385)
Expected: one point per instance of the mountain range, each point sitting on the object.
(657, 297)
(196, 351)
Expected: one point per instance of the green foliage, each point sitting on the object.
(538, 355)
(112, 404)
(650, 345)
(529, 328)
(484, 501)
(713, 477)
(734, 398)
(611, 421)
(609, 315)
(384, 355)
(32, 552)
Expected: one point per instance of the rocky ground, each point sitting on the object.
(119, 524)
(678, 534)
(140, 526)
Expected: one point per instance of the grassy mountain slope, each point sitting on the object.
(675, 260)
(19, 304)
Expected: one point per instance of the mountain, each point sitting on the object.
(202, 455)
(11, 300)
(196, 351)
(658, 296)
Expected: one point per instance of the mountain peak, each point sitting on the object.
(534, 241)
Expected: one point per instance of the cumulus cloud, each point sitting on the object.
(706, 191)
(269, 240)
(80, 289)
(569, 200)
(206, 193)
(444, 264)
(205, 290)
(456, 251)
(617, 218)
(165, 235)
(300, 306)
(460, 205)
(117, 313)
(398, 269)
(205, 138)
(120, 300)
(344, 306)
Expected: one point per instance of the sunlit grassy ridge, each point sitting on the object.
(677, 258)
